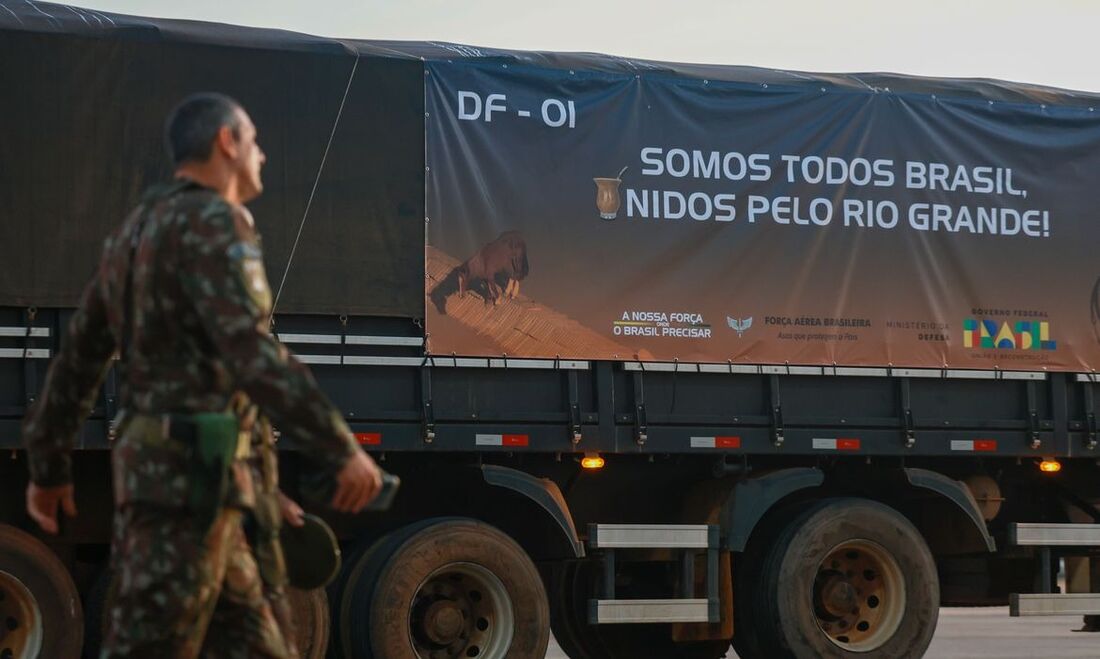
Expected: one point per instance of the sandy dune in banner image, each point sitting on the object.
(518, 327)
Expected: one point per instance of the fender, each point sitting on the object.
(955, 492)
(544, 493)
(752, 498)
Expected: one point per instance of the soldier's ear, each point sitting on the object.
(226, 142)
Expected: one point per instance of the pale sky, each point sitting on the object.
(1050, 42)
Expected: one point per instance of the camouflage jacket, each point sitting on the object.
(200, 306)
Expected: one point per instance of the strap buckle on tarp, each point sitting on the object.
(1032, 415)
(776, 410)
(641, 429)
(908, 426)
(574, 404)
(426, 398)
(1090, 417)
(30, 378)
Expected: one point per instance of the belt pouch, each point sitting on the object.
(216, 436)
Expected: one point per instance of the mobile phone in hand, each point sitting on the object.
(390, 484)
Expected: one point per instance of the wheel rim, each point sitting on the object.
(859, 595)
(461, 610)
(20, 620)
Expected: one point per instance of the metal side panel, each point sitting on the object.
(25, 332)
(790, 370)
(319, 359)
(319, 339)
(25, 353)
(660, 367)
(918, 373)
(723, 368)
(1054, 535)
(648, 536)
(401, 341)
(857, 371)
(1072, 604)
(610, 612)
(451, 362)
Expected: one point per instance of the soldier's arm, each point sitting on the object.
(51, 427)
(222, 274)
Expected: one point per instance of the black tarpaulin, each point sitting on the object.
(85, 98)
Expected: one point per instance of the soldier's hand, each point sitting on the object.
(292, 512)
(357, 484)
(42, 504)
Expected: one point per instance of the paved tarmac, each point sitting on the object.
(990, 632)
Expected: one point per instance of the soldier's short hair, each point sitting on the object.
(194, 123)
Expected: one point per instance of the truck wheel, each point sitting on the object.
(95, 612)
(847, 578)
(40, 614)
(447, 588)
(570, 587)
(311, 621)
(747, 580)
(350, 568)
(573, 585)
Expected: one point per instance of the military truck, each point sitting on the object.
(667, 356)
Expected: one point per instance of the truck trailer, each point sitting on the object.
(668, 357)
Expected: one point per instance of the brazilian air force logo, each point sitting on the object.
(739, 326)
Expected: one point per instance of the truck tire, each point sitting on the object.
(95, 612)
(570, 588)
(39, 605)
(311, 621)
(361, 561)
(445, 588)
(573, 585)
(847, 578)
(747, 583)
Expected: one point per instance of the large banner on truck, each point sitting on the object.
(640, 216)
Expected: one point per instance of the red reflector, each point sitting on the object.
(513, 440)
(985, 445)
(727, 442)
(847, 444)
(369, 438)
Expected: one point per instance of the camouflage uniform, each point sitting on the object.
(268, 520)
(192, 328)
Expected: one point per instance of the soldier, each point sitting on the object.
(271, 510)
(180, 295)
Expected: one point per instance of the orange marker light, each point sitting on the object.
(1050, 466)
(592, 461)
